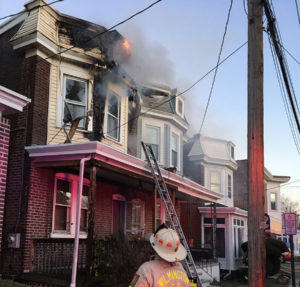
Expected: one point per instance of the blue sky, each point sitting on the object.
(177, 42)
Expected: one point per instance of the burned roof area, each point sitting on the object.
(87, 36)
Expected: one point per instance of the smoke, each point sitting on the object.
(149, 62)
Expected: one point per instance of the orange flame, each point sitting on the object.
(126, 44)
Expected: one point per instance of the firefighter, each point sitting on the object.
(164, 270)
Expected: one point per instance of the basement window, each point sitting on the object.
(64, 206)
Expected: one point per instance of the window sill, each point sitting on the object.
(82, 235)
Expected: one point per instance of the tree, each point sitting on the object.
(289, 205)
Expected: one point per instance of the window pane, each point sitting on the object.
(61, 220)
(229, 185)
(273, 200)
(75, 90)
(63, 196)
(174, 158)
(215, 181)
(112, 127)
(85, 198)
(76, 111)
(220, 242)
(113, 105)
(152, 135)
(180, 107)
(240, 241)
(83, 220)
(174, 142)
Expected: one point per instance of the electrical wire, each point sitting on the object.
(216, 70)
(24, 11)
(103, 32)
(179, 94)
(284, 97)
(284, 184)
(297, 11)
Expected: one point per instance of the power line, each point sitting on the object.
(24, 11)
(216, 70)
(297, 11)
(284, 184)
(184, 92)
(103, 32)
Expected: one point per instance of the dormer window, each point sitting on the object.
(179, 107)
(232, 151)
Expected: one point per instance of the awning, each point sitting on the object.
(112, 159)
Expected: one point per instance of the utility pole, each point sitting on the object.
(256, 233)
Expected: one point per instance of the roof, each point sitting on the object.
(267, 174)
(211, 150)
(11, 101)
(225, 210)
(110, 158)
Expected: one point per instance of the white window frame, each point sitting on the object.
(213, 183)
(178, 157)
(159, 138)
(80, 75)
(118, 139)
(74, 183)
(179, 100)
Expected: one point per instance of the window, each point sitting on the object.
(238, 236)
(64, 208)
(138, 211)
(118, 213)
(75, 97)
(220, 240)
(158, 219)
(273, 200)
(152, 138)
(175, 141)
(232, 151)
(180, 107)
(229, 185)
(113, 116)
(215, 184)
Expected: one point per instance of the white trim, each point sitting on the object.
(178, 99)
(7, 25)
(13, 99)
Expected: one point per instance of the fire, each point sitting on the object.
(126, 44)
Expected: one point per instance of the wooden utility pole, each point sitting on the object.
(256, 233)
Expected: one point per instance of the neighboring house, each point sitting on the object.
(272, 194)
(79, 94)
(162, 124)
(210, 162)
(10, 103)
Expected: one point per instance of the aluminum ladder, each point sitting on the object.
(170, 211)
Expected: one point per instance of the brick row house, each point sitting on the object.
(82, 132)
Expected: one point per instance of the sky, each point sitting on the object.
(176, 42)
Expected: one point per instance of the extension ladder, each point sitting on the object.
(170, 211)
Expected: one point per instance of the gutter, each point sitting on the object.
(77, 226)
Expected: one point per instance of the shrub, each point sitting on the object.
(117, 259)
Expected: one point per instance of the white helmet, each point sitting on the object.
(166, 244)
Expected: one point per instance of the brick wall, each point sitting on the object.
(30, 77)
(4, 144)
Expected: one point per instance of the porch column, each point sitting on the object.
(214, 235)
(91, 217)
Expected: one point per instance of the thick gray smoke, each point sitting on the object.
(149, 62)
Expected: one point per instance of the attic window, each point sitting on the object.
(75, 95)
(179, 107)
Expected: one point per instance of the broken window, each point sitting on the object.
(152, 139)
(75, 96)
(175, 142)
(113, 116)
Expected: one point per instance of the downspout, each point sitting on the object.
(77, 226)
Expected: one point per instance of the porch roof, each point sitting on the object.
(112, 159)
(225, 210)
